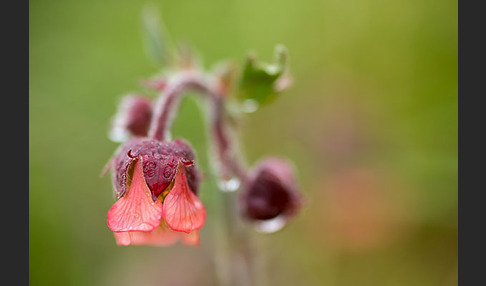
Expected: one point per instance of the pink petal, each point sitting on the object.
(191, 238)
(183, 211)
(123, 238)
(164, 236)
(136, 210)
(161, 236)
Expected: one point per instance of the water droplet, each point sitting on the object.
(249, 106)
(118, 134)
(230, 185)
(270, 226)
(168, 136)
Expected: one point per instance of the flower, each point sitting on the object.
(270, 196)
(132, 118)
(156, 184)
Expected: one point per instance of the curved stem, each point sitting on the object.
(167, 105)
(223, 139)
(236, 257)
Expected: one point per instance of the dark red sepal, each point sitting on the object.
(160, 161)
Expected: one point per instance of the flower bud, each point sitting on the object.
(132, 119)
(270, 192)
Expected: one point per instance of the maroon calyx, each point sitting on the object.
(134, 115)
(160, 161)
(270, 192)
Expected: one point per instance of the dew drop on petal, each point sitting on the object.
(271, 225)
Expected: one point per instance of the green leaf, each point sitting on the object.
(156, 39)
(259, 80)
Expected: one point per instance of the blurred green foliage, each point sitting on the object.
(258, 79)
(370, 122)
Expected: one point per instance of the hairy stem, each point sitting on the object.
(234, 252)
(167, 105)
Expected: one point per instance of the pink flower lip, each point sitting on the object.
(182, 209)
(135, 211)
(161, 236)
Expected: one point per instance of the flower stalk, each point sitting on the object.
(156, 178)
(238, 257)
(166, 108)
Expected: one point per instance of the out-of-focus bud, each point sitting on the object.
(270, 196)
(132, 118)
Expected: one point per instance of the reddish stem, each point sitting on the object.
(166, 108)
(229, 165)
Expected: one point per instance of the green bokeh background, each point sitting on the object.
(370, 122)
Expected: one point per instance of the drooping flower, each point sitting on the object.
(132, 118)
(156, 184)
(270, 197)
